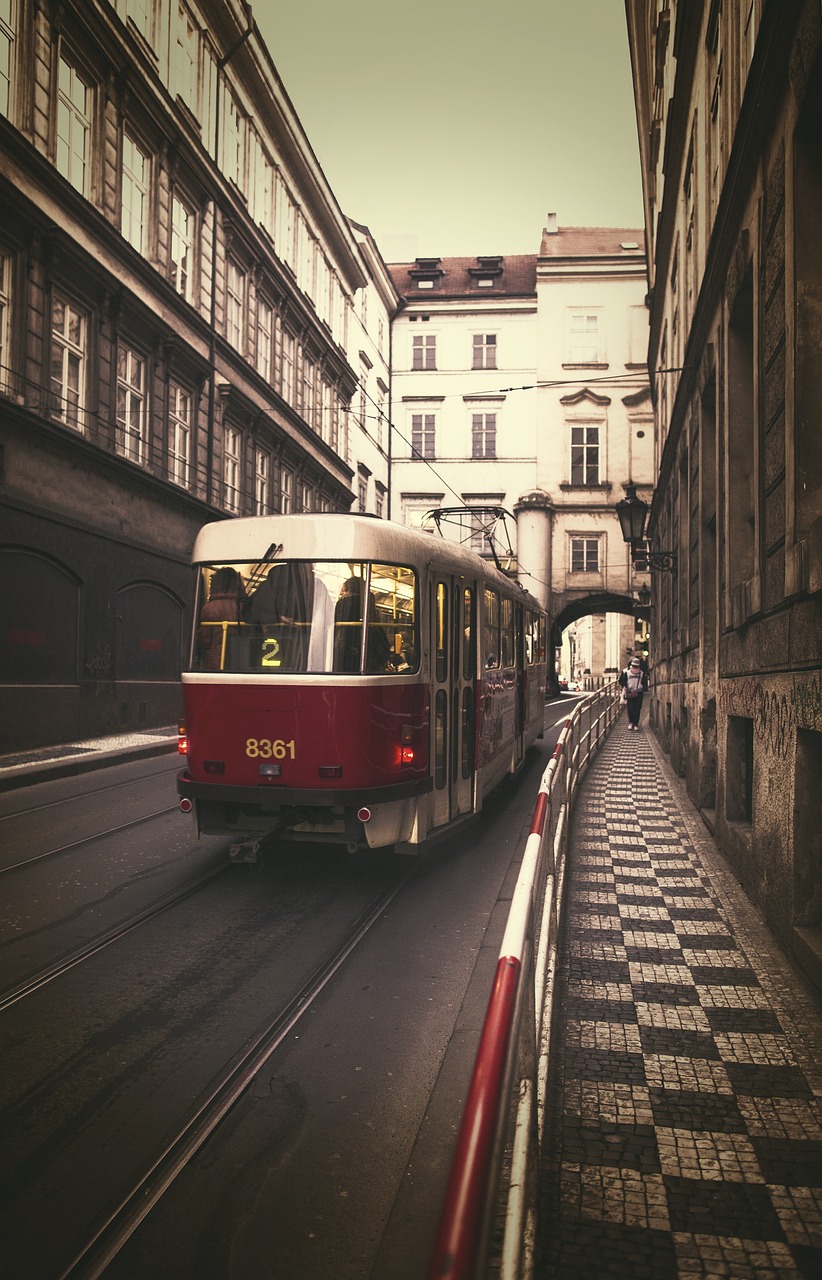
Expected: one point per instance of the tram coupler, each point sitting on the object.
(248, 850)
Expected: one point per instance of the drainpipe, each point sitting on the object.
(222, 63)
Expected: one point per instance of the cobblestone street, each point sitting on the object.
(685, 1116)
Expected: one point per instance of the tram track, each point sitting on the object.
(93, 948)
(106, 789)
(77, 844)
(91, 1260)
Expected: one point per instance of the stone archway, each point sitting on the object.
(597, 604)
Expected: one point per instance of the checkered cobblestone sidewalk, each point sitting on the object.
(685, 1116)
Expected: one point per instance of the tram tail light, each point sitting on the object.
(364, 814)
(185, 805)
(406, 749)
(182, 740)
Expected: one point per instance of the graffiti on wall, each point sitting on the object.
(98, 664)
(776, 716)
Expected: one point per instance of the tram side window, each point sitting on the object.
(468, 633)
(506, 630)
(530, 638)
(392, 633)
(441, 624)
(491, 638)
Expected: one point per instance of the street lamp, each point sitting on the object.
(632, 513)
(644, 596)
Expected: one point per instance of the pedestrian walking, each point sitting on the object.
(634, 682)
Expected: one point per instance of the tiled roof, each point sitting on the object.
(513, 275)
(584, 242)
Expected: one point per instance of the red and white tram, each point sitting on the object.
(353, 680)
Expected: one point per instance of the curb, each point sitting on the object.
(14, 776)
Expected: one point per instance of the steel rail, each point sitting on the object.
(86, 795)
(89, 949)
(93, 1258)
(511, 1065)
(76, 844)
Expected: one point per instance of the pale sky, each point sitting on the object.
(461, 123)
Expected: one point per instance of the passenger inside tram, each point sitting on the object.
(219, 616)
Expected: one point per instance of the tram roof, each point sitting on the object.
(331, 536)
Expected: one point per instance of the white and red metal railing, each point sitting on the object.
(492, 1188)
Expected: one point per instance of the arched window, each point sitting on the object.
(38, 627)
(149, 631)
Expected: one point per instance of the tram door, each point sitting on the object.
(454, 713)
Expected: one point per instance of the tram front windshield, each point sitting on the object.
(288, 616)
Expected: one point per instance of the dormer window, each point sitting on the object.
(426, 273)
(486, 272)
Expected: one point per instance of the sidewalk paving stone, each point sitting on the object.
(684, 1127)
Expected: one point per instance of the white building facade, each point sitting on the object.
(521, 382)
(464, 346)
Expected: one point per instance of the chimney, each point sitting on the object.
(551, 225)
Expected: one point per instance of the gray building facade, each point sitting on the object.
(729, 109)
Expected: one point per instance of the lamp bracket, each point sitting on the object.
(655, 561)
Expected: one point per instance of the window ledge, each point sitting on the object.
(586, 364)
(604, 486)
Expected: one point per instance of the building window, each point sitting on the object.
(234, 141)
(73, 126)
(305, 496)
(261, 183)
(262, 473)
(326, 410)
(131, 404)
(231, 469)
(286, 491)
(585, 555)
(5, 309)
(336, 411)
(379, 501)
(422, 435)
(139, 11)
(182, 247)
(483, 435)
(585, 455)
(584, 345)
(235, 304)
(135, 194)
(265, 338)
(179, 433)
(187, 59)
(485, 351)
(69, 330)
(6, 53)
(362, 493)
(309, 391)
(424, 351)
(381, 418)
(287, 373)
(478, 542)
